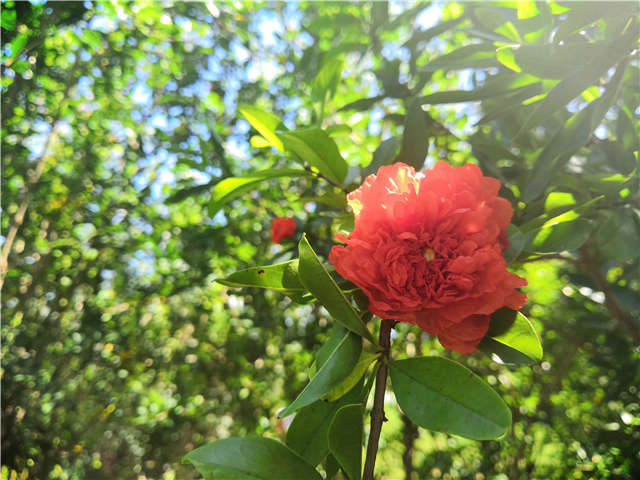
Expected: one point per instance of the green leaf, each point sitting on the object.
(518, 240)
(527, 9)
(366, 359)
(315, 147)
(385, 154)
(281, 276)
(318, 281)
(232, 187)
(573, 136)
(619, 234)
(307, 434)
(481, 55)
(257, 141)
(326, 82)
(362, 104)
(415, 138)
(345, 439)
(338, 365)
(8, 19)
(581, 79)
(331, 467)
(511, 339)
(561, 236)
(264, 122)
(250, 458)
(340, 130)
(442, 395)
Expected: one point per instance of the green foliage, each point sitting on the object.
(248, 459)
(125, 130)
(442, 395)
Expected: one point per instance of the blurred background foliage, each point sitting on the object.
(120, 353)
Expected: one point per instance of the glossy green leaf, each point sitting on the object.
(265, 123)
(561, 236)
(315, 277)
(365, 360)
(314, 147)
(442, 395)
(415, 138)
(259, 142)
(250, 458)
(338, 365)
(281, 276)
(345, 439)
(232, 187)
(307, 434)
(511, 339)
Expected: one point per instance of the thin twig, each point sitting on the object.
(377, 413)
(326, 179)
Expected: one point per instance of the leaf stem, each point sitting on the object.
(377, 413)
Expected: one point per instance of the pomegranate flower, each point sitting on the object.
(428, 249)
(282, 228)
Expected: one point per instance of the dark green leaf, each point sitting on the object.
(230, 188)
(365, 360)
(385, 154)
(318, 281)
(314, 147)
(511, 339)
(345, 439)
(573, 136)
(618, 237)
(362, 104)
(338, 365)
(582, 78)
(8, 19)
(442, 395)
(415, 138)
(307, 434)
(558, 237)
(250, 458)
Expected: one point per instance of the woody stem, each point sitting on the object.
(377, 413)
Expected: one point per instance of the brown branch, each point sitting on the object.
(377, 413)
(616, 310)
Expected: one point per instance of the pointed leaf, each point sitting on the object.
(385, 154)
(442, 395)
(327, 79)
(307, 434)
(338, 365)
(561, 236)
(264, 122)
(281, 276)
(318, 281)
(511, 339)
(315, 147)
(232, 187)
(366, 359)
(345, 439)
(250, 458)
(415, 139)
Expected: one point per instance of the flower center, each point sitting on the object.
(429, 254)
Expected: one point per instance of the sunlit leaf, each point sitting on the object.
(265, 123)
(232, 187)
(314, 147)
(511, 339)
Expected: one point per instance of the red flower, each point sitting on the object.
(427, 249)
(282, 228)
